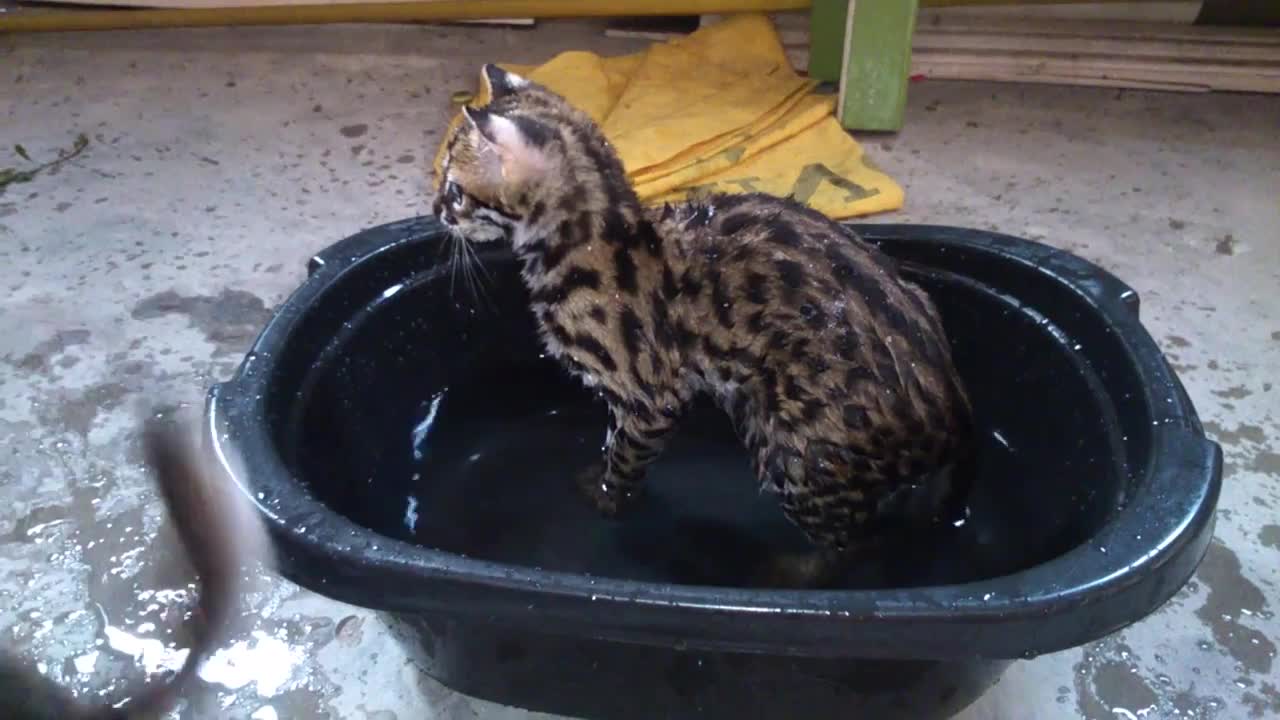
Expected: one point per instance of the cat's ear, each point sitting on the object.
(500, 83)
(519, 141)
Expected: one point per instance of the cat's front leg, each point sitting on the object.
(632, 443)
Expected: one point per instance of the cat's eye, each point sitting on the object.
(453, 195)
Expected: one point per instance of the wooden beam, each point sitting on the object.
(876, 63)
(826, 39)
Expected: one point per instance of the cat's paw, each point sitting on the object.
(606, 498)
(799, 571)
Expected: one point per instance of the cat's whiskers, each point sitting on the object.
(475, 255)
(479, 275)
(475, 281)
(454, 251)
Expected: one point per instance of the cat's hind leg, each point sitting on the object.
(823, 505)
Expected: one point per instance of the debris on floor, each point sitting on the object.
(13, 175)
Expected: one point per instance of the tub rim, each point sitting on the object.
(1088, 592)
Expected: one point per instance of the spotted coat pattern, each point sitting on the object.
(835, 370)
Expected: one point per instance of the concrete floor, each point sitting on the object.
(220, 160)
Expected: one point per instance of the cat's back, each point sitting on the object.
(759, 233)
(857, 350)
(776, 257)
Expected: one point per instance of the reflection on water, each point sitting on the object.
(411, 514)
(264, 660)
(86, 663)
(421, 429)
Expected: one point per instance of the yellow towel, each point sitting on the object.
(719, 110)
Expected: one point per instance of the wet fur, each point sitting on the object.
(835, 370)
(221, 535)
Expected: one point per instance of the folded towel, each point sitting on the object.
(720, 110)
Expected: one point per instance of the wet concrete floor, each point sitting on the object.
(219, 160)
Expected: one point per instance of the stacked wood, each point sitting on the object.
(1164, 56)
(1171, 55)
(1157, 56)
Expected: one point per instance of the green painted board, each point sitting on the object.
(826, 39)
(876, 63)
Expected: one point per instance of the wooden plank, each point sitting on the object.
(213, 4)
(1184, 78)
(1051, 44)
(202, 4)
(1037, 59)
(1099, 29)
(876, 64)
(972, 66)
(1178, 11)
(246, 13)
(945, 72)
(1159, 56)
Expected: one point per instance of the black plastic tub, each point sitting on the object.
(413, 453)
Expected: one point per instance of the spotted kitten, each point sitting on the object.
(834, 369)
